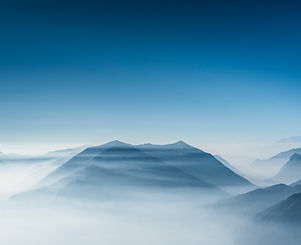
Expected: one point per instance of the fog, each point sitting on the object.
(136, 216)
(152, 218)
(19, 174)
(114, 214)
(139, 219)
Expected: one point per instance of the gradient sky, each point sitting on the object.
(86, 72)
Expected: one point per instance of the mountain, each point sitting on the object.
(60, 156)
(198, 163)
(287, 154)
(116, 167)
(258, 200)
(272, 165)
(119, 166)
(291, 171)
(285, 212)
(181, 156)
(82, 160)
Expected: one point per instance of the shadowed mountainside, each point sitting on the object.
(118, 165)
(185, 158)
(285, 212)
(199, 164)
(257, 200)
(121, 166)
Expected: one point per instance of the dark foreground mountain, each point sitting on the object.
(258, 200)
(285, 212)
(122, 166)
(290, 172)
(118, 157)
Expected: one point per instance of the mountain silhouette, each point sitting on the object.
(287, 211)
(180, 156)
(119, 165)
(257, 200)
(291, 171)
(272, 165)
(198, 163)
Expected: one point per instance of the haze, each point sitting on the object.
(150, 122)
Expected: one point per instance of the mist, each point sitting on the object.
(139, 218)
(136, 218)
(119, 193)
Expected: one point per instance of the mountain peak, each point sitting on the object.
(181, 143)
(114, 143)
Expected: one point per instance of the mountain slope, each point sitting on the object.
(291, 171)
(118, 165)
(255, 201)
(96, 182)
(187, 159)
(79, 161)
(287, 211)
(272, 165)
(198, 163)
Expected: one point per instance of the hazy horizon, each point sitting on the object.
(247, 149)
(221, 76)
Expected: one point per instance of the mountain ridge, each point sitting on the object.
(272, 165)
(287, 211)
(173, 165)
(258, 200)
(290, 172)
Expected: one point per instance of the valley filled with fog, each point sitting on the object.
(118, 193)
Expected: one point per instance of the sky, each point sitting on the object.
(206, 72)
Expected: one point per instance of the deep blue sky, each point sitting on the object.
(202, 71)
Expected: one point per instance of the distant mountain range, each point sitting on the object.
(65, 152)
(272, 165)
(116, 168)
(285, 212)
(258, 200)
(118, 165)
(290, 172)
(61, 155)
